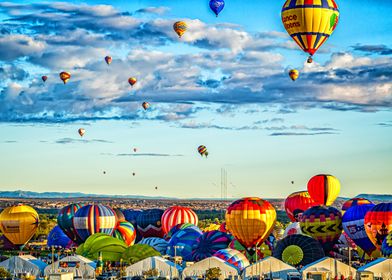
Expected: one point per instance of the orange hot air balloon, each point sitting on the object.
(180, 27)
(81, 131)
(294, 74)
(145, 105)
(324, 189)
(132, 81)
(44, 78)
(65, 76)
(250, 220)
(378, 223)
(108, 59)
(297, 203)
(19, 223)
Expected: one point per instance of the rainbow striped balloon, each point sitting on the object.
(175, 215)
(65, 221)
(126, 232)
(233, 257)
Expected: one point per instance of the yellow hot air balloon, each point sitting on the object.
(19, 223)
(250, 220)
(324, 189)
(180, 27)
(294, 74)
(310, 22)
(65, 76)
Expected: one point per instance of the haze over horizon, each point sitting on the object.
(223, 85)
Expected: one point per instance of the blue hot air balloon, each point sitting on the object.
(157, 243)
(131, 216)
(210, 243)
(149, 223)
(217, 6)
(58, 238)
(182, 242)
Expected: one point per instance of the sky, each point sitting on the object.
(224, 85)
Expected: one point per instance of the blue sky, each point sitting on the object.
(224, 85)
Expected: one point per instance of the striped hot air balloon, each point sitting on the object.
(354, 202)
(175, 215)
(125, 232)
(202, 150)
(210, 243)
(65, 76)
(65, 221)
(157, 243)
(233, 257)
(378, 223)
(324, 189)
(297, 203)
(180, 28)
(91, 219)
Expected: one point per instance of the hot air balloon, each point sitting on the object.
(57, 237)
(81, 131)
(133, 173)
(211, 227)
(44, 78)
(298, 249)
(138, 252)
(65, 76)
(233, 257)
(262, 251)
(250, 220)
(378, 223)
(209, 243)
(323, 223)
(132, 81)
(294, 74)
(180, 27)
(5, 244)
(324, 189)
(125, 232)
(310, 23)
(91, 219)
(217, 6)
(354, 202)
(278, 231)
(134, 150)
(183, 241)
(19, 223)
(353, 222)
(149, 223)
(176, 228)
(108, 59)
(64, 220)
(145, 105)
(131, 216)
(157, 243)
(202, 150)
(297, 203)
(293, 228)
(223, 227)
(120, 215)
(386, 247)
(175, 215)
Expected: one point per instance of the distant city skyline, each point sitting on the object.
(224, 85)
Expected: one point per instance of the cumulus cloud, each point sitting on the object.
(374, 49)
(14, 46)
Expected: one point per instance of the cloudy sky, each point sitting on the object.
(224, 84)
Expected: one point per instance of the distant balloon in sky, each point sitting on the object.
(81, 131)
(202, 150)
(65, 76)
(133, 173)
(217, 6)
(134, 150)
(44, 78)
(108, 59)
(180, 28)
(293, 73)
(104, 172)
(145, 105)
(132, 81)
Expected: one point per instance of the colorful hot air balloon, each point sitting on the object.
(180, 27)
(310, 22)
(183, 241)
(176, 228)
(65, 76)
(58, 238)
(132, 81)
(378, 223)
(44, 78)
(131, 216)
(145, 105)
(157, 243)
(294, 74)
(19, 223)
(324, 189)
(65, 218)
(175, 215)
(209, 243)
(108, 59)
(125, 232)
(81, 131)
(91, 219)
(298, 249)
(138, 252)
(120, 215)
(149, 223)
(250, 220)
(293, 228)
(297, 203)
(354, 202)
(233, 257)
(202, 150)
(262, 251)
(217, 6)
(386, 247)
(353, 222)
(323, 223)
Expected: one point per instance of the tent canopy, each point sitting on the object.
(164, 267)
(78, 265)
(331, 266)
(199, 268)
(381, 267)
(24, 264)
(278, 268)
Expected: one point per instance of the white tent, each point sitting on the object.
(164, 267)
(199, 268)
(329, 266)
(78, 265)
(268, 265)
(381, 267)
(24, 264)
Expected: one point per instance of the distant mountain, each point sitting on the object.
(377, 197)
(29, 194)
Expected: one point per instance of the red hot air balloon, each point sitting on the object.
(44, 78)
(378, 223)
(297, 203)
(108, 59)
(132, 81)
(175, 215)
(324, 189)
(354, 202)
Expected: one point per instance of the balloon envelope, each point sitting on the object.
(65, 76)
(354, 202)
(180, 28)
(217, 6)
(125, 232)
(209, 243)
(138, 252)
(378, 223)
(65, 221)
(175, 215)
(57, 237)
(183, 241)
(233, 257)
(157, 243)
(149, 223)
(324, 189)
(293, 228)
(297, 203)
(386, 247)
